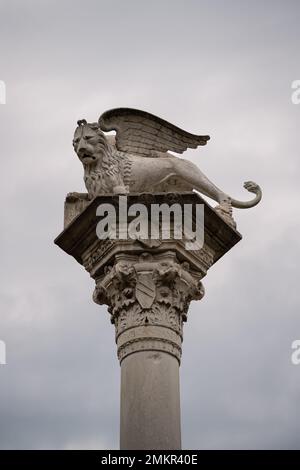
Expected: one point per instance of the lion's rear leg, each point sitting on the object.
(191, 173)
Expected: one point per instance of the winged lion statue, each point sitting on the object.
(137, 158)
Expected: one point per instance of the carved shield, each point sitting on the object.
(145, 290)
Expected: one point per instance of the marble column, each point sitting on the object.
(148, 298)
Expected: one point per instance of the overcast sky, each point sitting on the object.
(210, 67)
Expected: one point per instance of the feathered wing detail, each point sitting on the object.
(141, 133)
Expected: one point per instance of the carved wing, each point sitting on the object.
(140, 132)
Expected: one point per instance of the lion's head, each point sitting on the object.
(103, 165)
(89, 143)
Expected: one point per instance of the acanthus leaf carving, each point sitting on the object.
(148, 292)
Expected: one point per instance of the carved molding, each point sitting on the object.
(149, 338)
(146, 283)
(97, 253)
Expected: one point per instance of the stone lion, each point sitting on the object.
(138, 159)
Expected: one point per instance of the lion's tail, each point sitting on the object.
(253, 188)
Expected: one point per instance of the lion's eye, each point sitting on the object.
(88, 137)
(75, 141)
